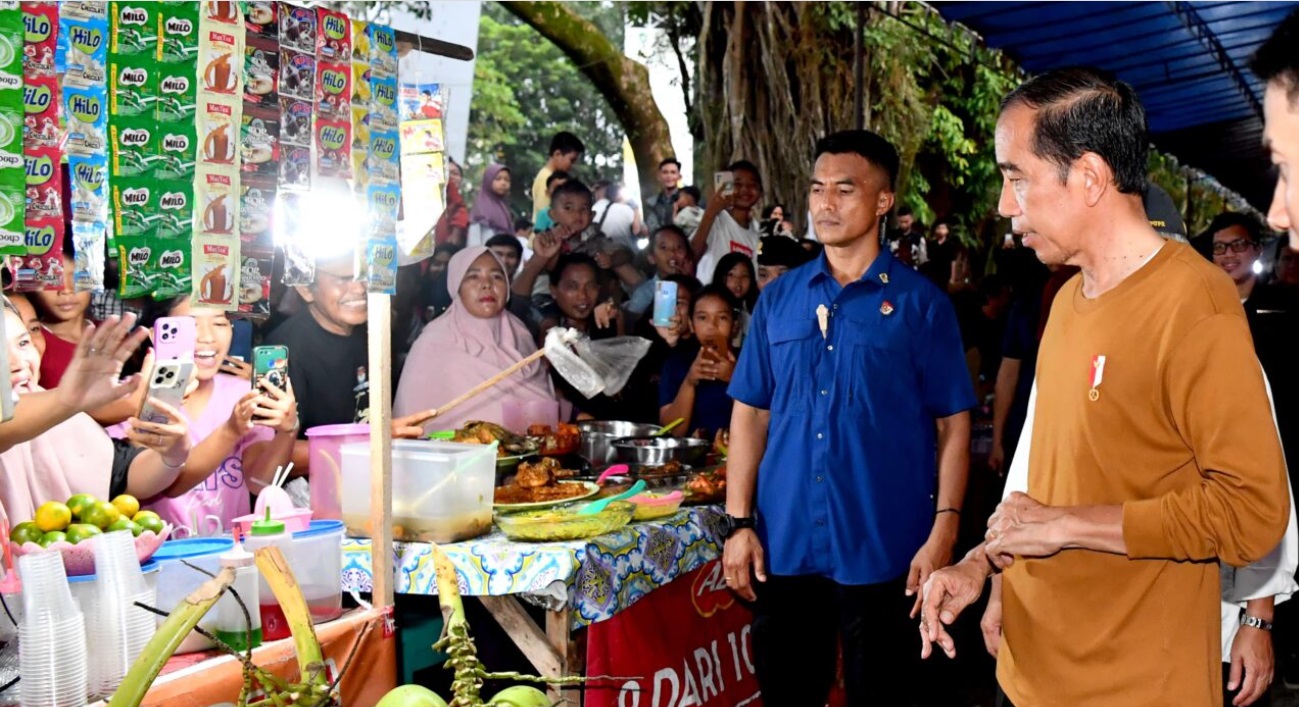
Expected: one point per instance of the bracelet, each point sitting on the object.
(1255, 622)
(957, 511)
(297, 423)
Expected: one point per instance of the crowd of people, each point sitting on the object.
(1135, 380)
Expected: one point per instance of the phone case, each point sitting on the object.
(724, 182)
(174, 337)
(167, 382)
(665, 303)
(271, 363)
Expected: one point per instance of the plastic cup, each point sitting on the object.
(53, 662)
(46, 596)
(116, 564)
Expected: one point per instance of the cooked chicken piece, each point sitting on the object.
(536, 475)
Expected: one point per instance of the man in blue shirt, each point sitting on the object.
(851, 416)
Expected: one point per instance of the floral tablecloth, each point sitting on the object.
(597, 577)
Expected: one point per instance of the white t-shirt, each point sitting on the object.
(618, 224)
(727, 236)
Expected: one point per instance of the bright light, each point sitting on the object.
(328, 221)
(642, 243)
(1258, 268)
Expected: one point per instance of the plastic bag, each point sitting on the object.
(594, 367)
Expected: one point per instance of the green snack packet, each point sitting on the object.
(177, 92)
(13, 206)
(176, 151)
(135, 206)
(178, 33)
(136, 276)
(12, 31)
(13, 179)
(175, 216)
(134, 29)
(135, 146)
(132, 86)
(170, 266)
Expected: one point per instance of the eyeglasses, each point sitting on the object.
(1240, 245)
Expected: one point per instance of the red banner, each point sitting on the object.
(687, 644)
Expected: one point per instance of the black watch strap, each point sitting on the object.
(730, 524)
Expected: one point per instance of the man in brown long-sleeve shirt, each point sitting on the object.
(1154, 453)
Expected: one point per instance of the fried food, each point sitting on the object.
(672, 468)
(478, 432)
(707, 486)
(538, 482)
(563, 440)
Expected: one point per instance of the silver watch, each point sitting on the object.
(1255, 622)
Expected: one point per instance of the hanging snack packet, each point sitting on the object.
(135, 276)
(383, 50)
(172, 274)
(256, 212)
(224, 12)
(216, 207)
(218, 132)
(259, 142)
(334, 40)
(87, 50)
(297, 75)
(299, 262)
(82, 10)
(383, 104)
(177, 92)
(260, 20)
(295, 167)
(296, 119)
(89, 188)
(360, 84)
(178, 33)
(41, 31)
(384, 162)
(44, 183)
(381, 206)
(41, 111)
(216, 272)
(88, 252)
(135, 146)
(177, 151)
(334, 148)
(333, 90)
(220, 61)
(258, 265)
(132, 85)
(134, 29)
(175, 218)
(297, 28)
(13, 214)
(261, 75)
(86, 114)
(135, 205)
(361, 42)
(12, 32)
(381, 266)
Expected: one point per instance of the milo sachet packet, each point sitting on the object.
(178, 33)
(134, 254)
(132, 85)
(175, 217)
(177, 150)
(171, 266)
(134, 31)
(135, 146)
(177, 92)
(135, 206)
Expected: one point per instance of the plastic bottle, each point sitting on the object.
(268, 532)
(232, 625)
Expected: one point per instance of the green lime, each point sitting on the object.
(26, 532)
(145, 514)
(80, 531)
(101, 515)
(124, 524)
(79, 501)
(151, 523)
(52, 537)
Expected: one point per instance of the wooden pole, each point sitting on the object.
(380, 345)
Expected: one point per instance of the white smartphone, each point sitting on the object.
(167, 382)
(724, 182)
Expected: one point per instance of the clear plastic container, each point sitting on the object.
(83, 587)
(316, 557)
(269, 532)
(235, 628)
(441, 491)
(176, 581)
(325, 465)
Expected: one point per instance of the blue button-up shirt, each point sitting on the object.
(845, 489)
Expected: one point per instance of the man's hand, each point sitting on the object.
(1252, 665)
(277, 408)
(742, 556)
(719, 203)
(991, 623)
(672, 332)
(169, 439)
(92, 379)
(997, 459)
(547, 244)
(702, 369)
(1022, 526)
(606, 315)
(945, 596)
(412, 426)
(935, 554)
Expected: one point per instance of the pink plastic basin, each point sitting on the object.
(325, 466)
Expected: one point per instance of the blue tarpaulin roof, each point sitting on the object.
(1189, 61)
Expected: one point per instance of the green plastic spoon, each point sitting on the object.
(595, 507)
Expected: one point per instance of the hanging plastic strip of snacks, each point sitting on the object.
(44, 229)
(13, 178)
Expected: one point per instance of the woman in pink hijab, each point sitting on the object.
(476, 339)
(491, 212)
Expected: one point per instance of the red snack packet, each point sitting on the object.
(334, 38)
(41, 36)
(334, 148)
(334, 90)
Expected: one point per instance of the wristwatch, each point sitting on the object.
(1255, 622)
(730, 524)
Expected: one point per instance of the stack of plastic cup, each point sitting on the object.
(121, 628)
(52, 636)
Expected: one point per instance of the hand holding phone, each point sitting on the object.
(665, 303)
(724, 183)
(168, 382)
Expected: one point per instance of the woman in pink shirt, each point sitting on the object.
(240, 435)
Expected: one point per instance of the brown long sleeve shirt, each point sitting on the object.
(1179, 432)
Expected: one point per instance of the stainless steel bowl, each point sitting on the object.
(654, 451)
(598, 438)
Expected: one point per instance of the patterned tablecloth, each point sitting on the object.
(597, 577)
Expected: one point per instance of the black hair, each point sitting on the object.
(507, 240)
(556, 176)
(522, 223)
(727, 263)
(769, 210)
(572, 260)
(612, 191)
(575, 187)
(692, 191)
(566, 142)
(1227, 219)
(868, 145)
(1087, 110)
(746, 166)
(448, 248)
(905, 211)
(668, 228)
(1277, 59)
(719, 291)
(669, 160)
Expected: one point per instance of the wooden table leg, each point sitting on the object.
(559, 629)
(551, 651)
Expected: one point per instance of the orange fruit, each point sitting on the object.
(127, 505)
(52, 516)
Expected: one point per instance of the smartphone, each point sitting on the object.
(724, 182)
(174, 337)
(271, 364)
(665, 303)
(167, 382)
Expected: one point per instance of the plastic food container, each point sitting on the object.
(83, 586)
(550, 524)
(325, 465)
(316, 557)
(652, 505)
(441, 491)
(176, 581)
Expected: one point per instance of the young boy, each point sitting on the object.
(729, 225)
(565, 150)
(553, 182)
(570, 209)
(669, 253)
(686, 212)
(778, 255)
